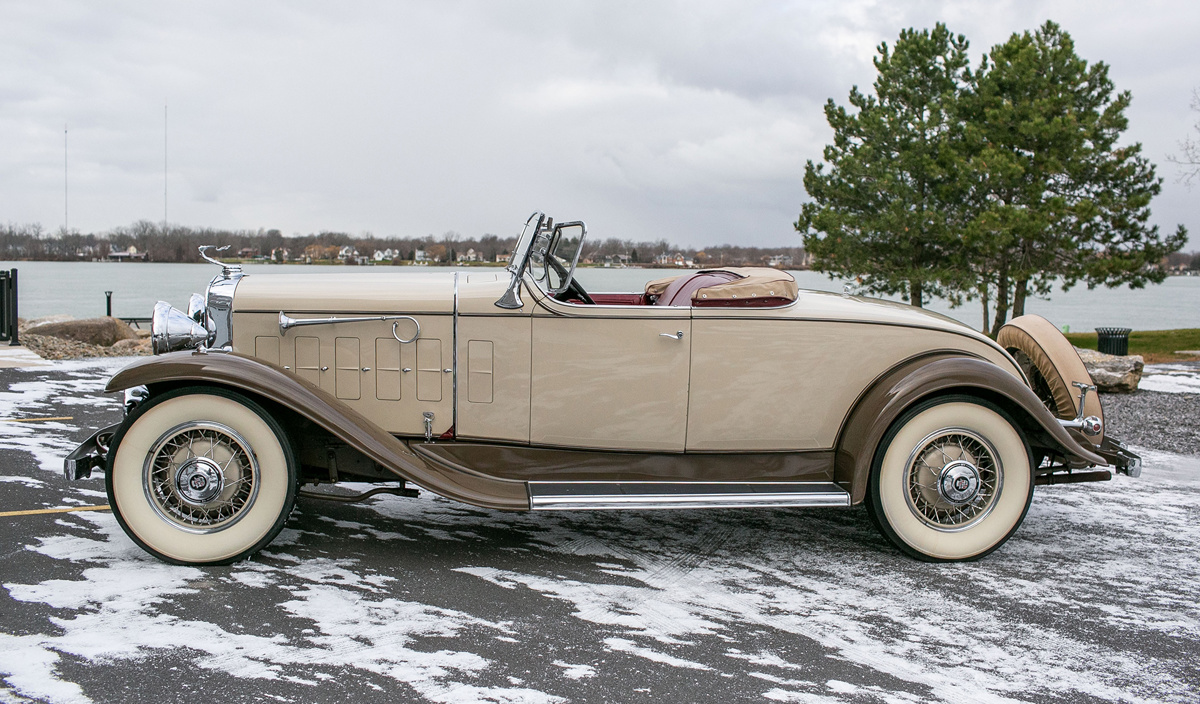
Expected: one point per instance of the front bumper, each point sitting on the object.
(91, 454)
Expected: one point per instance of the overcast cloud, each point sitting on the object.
(686, 120)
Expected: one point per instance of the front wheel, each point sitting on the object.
(201, 476)
(951, 480)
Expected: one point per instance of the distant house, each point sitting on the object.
(674, 259)
(779, 260)
(348, 252)
(280, 254)
(617, 260)
(468, 256)
(503, 258)
(420, 256)
(384, 255)
(130, 255)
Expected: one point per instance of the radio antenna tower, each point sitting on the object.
(66, 186)
(164, 227)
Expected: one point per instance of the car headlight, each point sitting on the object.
(171, 329)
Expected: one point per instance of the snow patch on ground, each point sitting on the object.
(575, 672)
(1171, 378)
(42, 396)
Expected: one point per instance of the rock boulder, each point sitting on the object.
(1113, 373)
(104, 332)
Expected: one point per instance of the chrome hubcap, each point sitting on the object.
(199, 480)
(952, 479)
(201, 477)
(959, 482)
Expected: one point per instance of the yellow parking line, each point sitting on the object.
(33, 420)
(4, 514)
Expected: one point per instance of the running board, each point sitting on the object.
(546, 496)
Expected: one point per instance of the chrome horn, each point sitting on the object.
(171, 329)
(287, 322)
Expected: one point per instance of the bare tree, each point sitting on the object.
(1188, 160)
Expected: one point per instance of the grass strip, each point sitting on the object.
(1155, 346)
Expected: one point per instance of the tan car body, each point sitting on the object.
(562, 392)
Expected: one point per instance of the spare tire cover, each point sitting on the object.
(1056, 360)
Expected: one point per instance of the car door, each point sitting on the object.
(609, 377)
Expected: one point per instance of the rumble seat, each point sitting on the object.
(734, 287)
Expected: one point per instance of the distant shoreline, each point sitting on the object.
(403, 264)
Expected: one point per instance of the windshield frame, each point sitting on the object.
(516, 263)
(538, 225)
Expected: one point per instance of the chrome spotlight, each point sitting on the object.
(197, 307)
(171, 329)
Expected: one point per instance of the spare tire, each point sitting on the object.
(1052, 364)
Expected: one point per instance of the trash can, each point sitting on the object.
(1113, 340)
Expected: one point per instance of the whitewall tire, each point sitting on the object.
(952, 479)
(201, 476)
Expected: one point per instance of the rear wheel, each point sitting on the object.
(952, 480)
(201, 476)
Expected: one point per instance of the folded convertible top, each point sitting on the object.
(731, 286)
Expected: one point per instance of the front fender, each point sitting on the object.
(937, 374)
(254, 377)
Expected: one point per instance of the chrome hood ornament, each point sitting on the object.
(227, 270)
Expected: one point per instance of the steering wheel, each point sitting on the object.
(573, 289)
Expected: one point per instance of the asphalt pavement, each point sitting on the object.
(1095, 599)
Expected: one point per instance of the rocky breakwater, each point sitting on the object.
(1114, 374)
(60, 337)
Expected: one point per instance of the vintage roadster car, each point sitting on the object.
(521, 390)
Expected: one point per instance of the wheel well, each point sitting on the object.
(322, 456)
(291, 421)
(1039, 441)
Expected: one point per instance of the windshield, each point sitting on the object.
(549, 252)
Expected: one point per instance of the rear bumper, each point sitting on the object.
(91, 454)
(1120, 457)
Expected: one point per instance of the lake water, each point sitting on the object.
(77, 289)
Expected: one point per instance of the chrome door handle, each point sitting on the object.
(676, 336)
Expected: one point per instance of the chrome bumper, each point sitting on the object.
(1124, 461)
(91, 454)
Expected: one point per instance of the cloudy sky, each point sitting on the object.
(685, 120)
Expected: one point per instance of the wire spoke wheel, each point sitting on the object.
(953, 479)
(201, 476)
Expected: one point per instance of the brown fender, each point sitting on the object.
(254, 377)
(938, 374)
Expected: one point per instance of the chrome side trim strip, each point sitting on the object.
(454, 360)
(547, 496)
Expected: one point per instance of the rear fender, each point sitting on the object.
(253, 377)
(934, 375)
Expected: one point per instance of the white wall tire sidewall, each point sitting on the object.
(1010, 505)
(129, 496)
